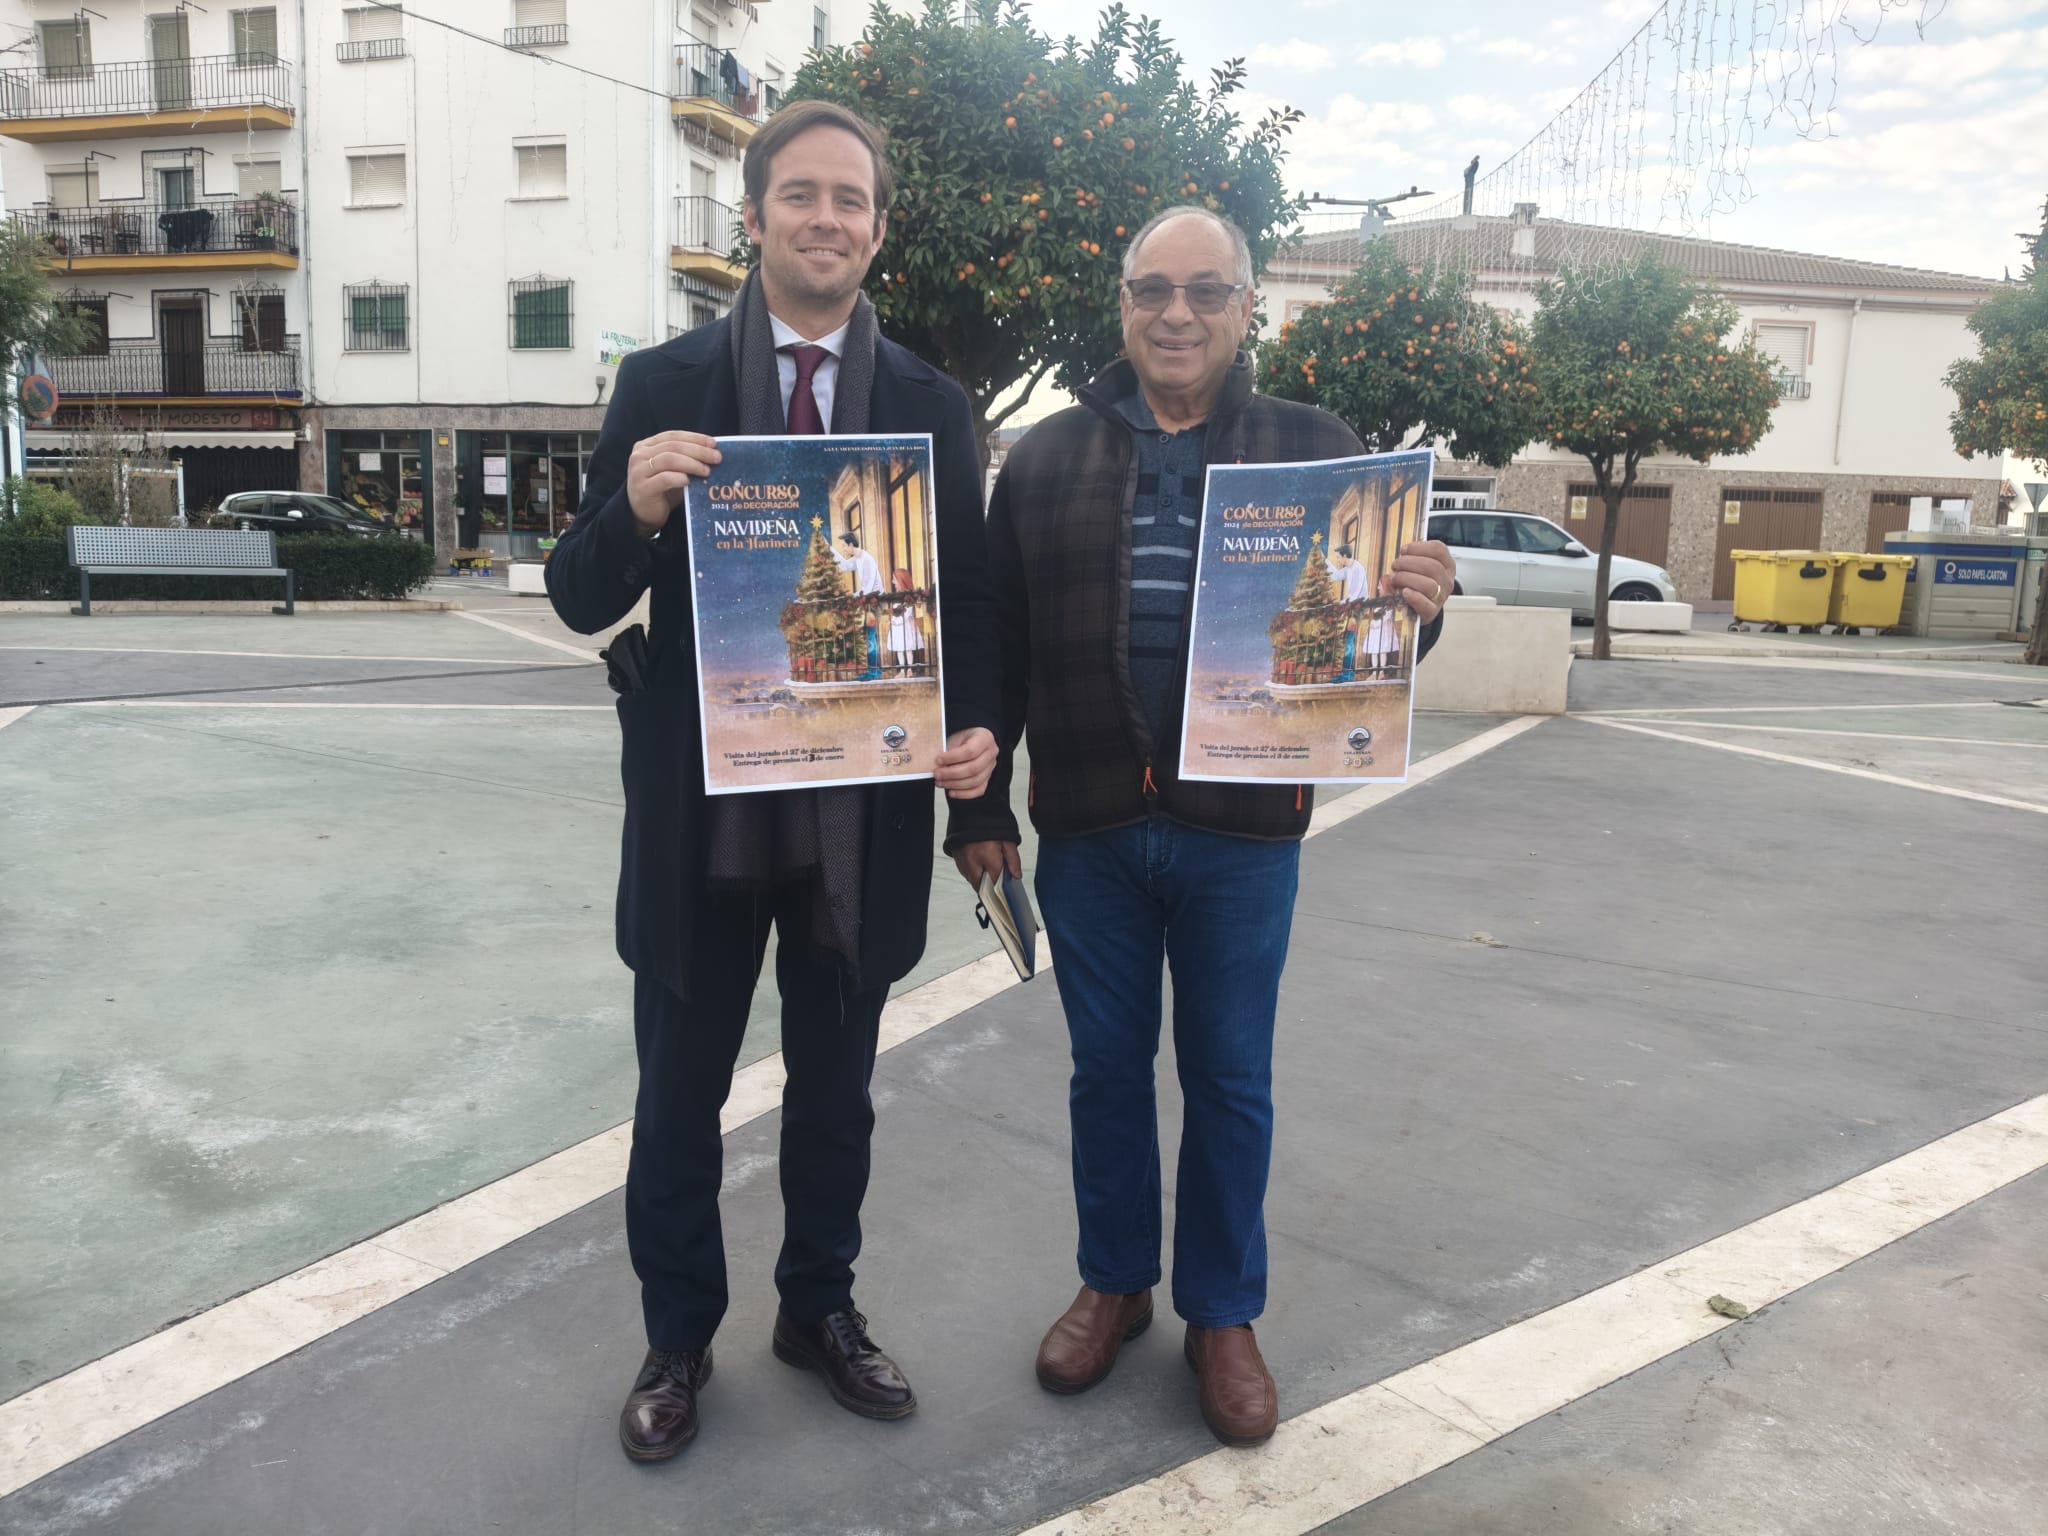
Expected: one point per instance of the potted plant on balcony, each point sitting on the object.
(263, 222)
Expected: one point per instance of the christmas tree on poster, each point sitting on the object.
(825, 629)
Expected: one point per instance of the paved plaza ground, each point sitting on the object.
(314, 1054)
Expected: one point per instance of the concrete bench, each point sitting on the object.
(1495, 660)
(95, 550)
(1662, 618)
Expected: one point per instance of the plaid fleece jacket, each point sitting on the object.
(1059, 551)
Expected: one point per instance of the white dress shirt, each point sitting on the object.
(867, 576)
(824, 381)
(1355, 580)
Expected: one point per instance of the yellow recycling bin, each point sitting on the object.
(1782, 589)
(1869, 591)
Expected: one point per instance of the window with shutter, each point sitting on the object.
(1785, 346)
(67, 49)
(255, 37)
(376, 317)
(376, 181)
(258, 178)
(370, 24)
(540, 314)
(543, 168)
(540, 13)
(74, 186)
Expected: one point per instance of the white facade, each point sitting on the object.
(1867, 396)
(1861, 427)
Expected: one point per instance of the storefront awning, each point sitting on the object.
(50, 440)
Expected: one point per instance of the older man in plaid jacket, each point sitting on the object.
(1092, 536)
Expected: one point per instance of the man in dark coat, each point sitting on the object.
(841, 874)
(1092, 536)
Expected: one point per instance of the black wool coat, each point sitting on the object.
(601, 567)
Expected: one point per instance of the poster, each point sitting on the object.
(494, 485)
(1298, 670)
(612, 347)
(815, 571)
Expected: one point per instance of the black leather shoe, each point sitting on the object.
(862, 1378)
(660, 1416)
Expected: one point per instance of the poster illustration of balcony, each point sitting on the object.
(1298, 670)
(815, 565)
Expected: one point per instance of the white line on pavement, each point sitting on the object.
(313, 704)
(147, 650)
(1814, 762)
(1808, 730)
(1347, 1453)
(1330, 813)
(1825, 664)
(513, 629)
(12, 714)
(65, 1418)
(1778, 709)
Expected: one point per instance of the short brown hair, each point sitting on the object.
(800, 117)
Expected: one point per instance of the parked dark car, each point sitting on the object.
(299, 512)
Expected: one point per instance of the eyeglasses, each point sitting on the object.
(1153, 293)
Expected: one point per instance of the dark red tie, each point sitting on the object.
(802, 414)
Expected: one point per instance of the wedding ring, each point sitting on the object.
(1439, 593)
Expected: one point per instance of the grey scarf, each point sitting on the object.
(759, 841)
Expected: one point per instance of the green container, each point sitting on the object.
(1782, 587)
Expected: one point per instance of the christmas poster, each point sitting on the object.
(1298, 670)
(815, 563)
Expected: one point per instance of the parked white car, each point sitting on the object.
(1517, 557)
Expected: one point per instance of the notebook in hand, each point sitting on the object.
(1006, 908)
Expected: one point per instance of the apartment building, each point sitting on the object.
(1862, 426)
(154, 150)
(476, 208)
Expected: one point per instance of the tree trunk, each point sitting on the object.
(1610, 498)
(2037, 643)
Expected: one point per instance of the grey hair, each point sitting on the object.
(1240, 250)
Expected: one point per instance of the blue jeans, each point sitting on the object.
(1217, 910)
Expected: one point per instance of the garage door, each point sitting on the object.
(1645, 531)
(1760, 519)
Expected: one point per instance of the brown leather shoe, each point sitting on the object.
(1081, 1348)
(862, 1379)
(1240, 1404)
(660, 1416)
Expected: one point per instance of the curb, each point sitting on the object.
(239, 605)
(1584, 648)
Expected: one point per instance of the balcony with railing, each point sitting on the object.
(711, 92)
(218, 93)
(363, 49)
(706, 232)
(216, 233)
(537, 37)
(147, 369)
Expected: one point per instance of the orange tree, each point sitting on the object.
(1631, 359)
(2002, 392)
(1400, 351)
(1022, 169)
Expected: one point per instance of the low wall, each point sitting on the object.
(1495, 660)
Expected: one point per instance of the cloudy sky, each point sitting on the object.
(1936, 153)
